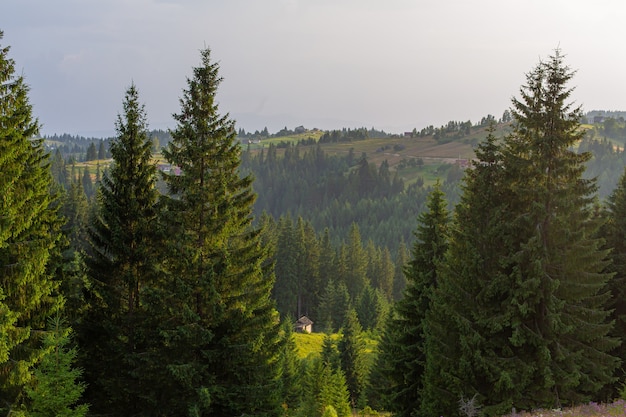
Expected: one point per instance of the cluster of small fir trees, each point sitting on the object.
(304, 265)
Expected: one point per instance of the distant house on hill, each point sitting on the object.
(304, 325)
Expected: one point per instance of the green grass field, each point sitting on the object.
(309, 345)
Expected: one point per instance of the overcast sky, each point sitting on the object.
(388, 64)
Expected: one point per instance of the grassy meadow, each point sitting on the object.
(310, 344)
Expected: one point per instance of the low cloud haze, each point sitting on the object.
(393, 65)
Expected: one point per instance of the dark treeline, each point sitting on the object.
(349, 135)
(78, 148)
(454, 130)
(343, 135)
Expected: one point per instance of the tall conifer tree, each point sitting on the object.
(287, 288)
(406, 332)
(221, 328)
(472, 275)
(355, 263)
(381, 392)
(530, 324)
(614, 231)
(308, 268)
(58, 168)
(351, 349)
(290, 366)
(56, 389)
(29, 230)
(399, 279)
(122, 265)
(560, 309)
(327, 259)
(72, 270)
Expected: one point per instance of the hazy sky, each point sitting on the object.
(389, 64)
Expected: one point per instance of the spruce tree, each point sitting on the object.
(87, 183)
(365, 307)
(290, 363)
(399, 279)
(381, 392)
(287, 287)
(75, 212)
(72, 270)
(91, 154)
(372, 308)
(334, 305)
(122, 268)
(333, 392)
(560, 309)
(308, 268)
(330, 354)
(101, 151)
(58, 168)
(327, 260)
(524, 294)
(324, 322)
(56, 389)
(351, 348)
(408, 326)
(477, 245)
(355, 263)
(220, 327)
(614, 231)
(29, 230)
(386, 275)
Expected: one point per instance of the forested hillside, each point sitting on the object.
(161, 273)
